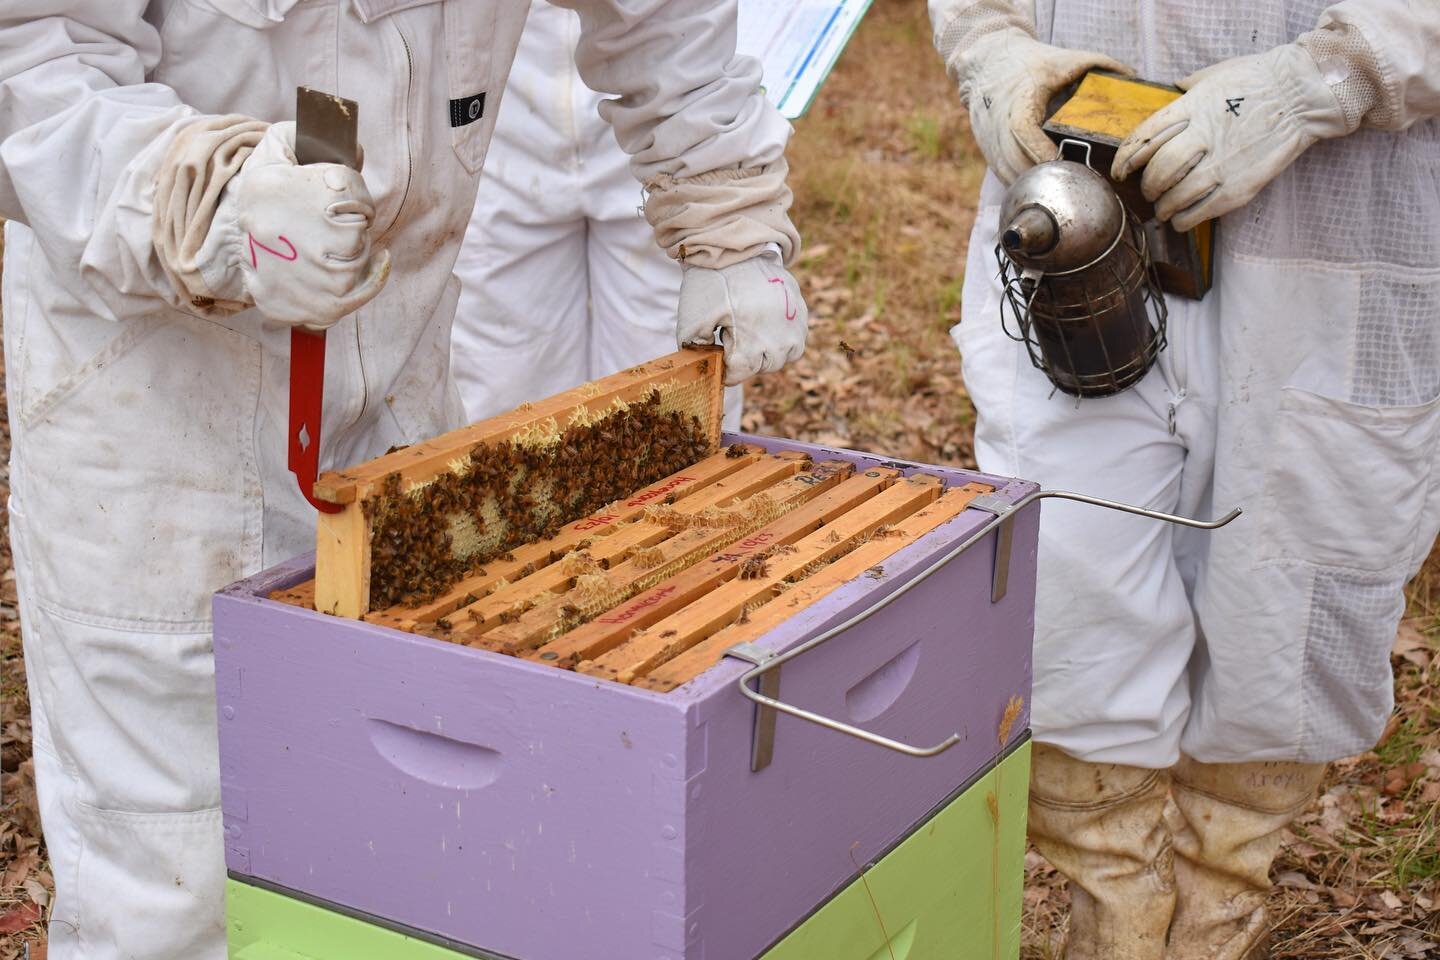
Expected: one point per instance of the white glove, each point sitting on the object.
(755, 304)
(294, 240)
(1240, 123)
(1007, 79)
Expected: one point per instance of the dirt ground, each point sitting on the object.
(885, 178)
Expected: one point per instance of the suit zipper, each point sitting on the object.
(409, 157)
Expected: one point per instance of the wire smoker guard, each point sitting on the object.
(1081, 291)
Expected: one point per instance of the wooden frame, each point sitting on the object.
(343, 561)
(652, 590)
(665, 675)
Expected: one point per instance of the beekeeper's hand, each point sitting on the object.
(294, 240)
(1240, 123)
(754, 306)
(1006, 80)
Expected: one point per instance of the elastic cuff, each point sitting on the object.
(973, 21)
(189, 188)
(1354, 74)
(722, 217)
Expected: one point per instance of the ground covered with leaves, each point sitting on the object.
(885, 179)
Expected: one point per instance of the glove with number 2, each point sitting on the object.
(292, 239)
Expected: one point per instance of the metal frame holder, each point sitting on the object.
(1003, 511)
(766, 664)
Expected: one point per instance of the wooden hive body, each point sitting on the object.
(550, 814)
(951, 880)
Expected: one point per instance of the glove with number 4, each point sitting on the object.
(753, 305)
(1243, 121)
(293, 240)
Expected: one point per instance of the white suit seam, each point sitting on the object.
(1418, 549)
(136, 331)
(113, 813)
(1013, 434)
(1365, 267)
(1306, 664)
(127, 624)
(20, 318)
(1379, 574)
(1352, 344)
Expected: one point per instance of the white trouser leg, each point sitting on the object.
(521, 328)
(634, 285)
(1302, 595)
(633, 290)
(521, 331)
(1114, 629)
(127, 771)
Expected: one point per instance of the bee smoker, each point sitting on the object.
(1080, 289)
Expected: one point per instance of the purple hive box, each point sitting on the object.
(545, 815)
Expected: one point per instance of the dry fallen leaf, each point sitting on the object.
(1411, 645)
(37, 892)
(19, 917)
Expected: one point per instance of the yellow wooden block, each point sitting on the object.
(1106, 107)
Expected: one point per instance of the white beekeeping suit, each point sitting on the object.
(160, 242)
(1305, 387)
(560, 278)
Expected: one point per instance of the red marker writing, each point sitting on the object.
(789, 310)
(294, 254)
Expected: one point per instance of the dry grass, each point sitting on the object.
(885, 177)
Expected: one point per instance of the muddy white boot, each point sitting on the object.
(1101, 825)
(1227, 819)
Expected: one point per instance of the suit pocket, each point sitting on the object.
(476, 72)
(1347, 484)
(139, 470)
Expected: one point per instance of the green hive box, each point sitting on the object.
(950, 890)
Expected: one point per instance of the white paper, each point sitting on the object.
(797, 41)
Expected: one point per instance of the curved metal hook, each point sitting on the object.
(766, 663)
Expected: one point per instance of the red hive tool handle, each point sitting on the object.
(325, 132)
(307, 398)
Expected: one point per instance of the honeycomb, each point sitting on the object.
(427, 537)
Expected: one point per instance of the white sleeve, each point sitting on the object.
(702, 137)
(957, 24)
(1382, 57)
(81, 138)
(686, 103)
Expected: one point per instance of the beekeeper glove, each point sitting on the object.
(292, 239)
(754, 306)
(1006, 79)
(1243, 121)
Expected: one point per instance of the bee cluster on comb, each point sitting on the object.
(417, 520)
(516, 492)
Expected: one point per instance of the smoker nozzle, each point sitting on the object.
(1033, 232)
